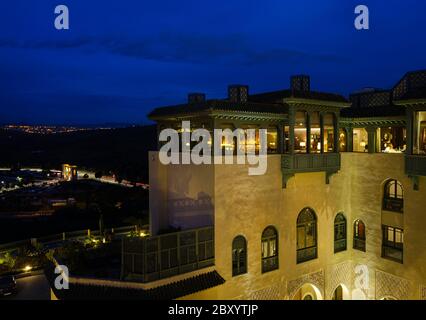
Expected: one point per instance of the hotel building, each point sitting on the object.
(339, 213)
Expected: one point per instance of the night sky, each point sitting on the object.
(122, 58)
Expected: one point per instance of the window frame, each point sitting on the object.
(239, 256)
(269, 261)
(359, 243)
(393, 203)
(345, 237)
(306, 253)
(388, 245)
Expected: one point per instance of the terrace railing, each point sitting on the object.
(73, 235)
(152, 258)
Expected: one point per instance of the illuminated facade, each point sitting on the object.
(69, 172)
(339, 213)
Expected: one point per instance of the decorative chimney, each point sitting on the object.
(300, 83)
(196, 97)
(238, 93)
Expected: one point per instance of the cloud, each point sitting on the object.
(183, 48)
(73, 108)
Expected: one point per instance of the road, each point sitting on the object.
(31, 288)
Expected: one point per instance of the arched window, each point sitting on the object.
(269, 249)
(306, 235)
(308, 297)
(339, 233)
(393, 198)
(338, 293)
(359, 235)
(239, 256)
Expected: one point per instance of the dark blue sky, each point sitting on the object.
(122, 58)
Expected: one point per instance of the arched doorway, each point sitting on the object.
(341, 293)
(308, 292)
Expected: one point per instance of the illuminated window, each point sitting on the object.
(230, 143)
(393, 243)
(339, 233)
(287, 139)
(269, 249)
(272, 140)
(306, 235)
(239, 256)
(359, 235)
(300, 132)
(393, 197)
(315, 133)
(342, 140)
(393, 139)
(252, 141)
(419, 133)
(328, 132)
(360, 140)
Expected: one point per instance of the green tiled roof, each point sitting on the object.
(219, 105)
(169, 291)
(270, 102)
(371, 112)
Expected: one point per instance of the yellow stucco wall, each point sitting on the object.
(246, 205)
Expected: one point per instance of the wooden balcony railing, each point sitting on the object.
(340, 245)
(395, 205)
(415, 165)
(310, 162)
(306, 254)
(392, 253)
(359, 244)
(269, 264)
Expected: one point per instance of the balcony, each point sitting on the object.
(395, 205)
(306, 254)
(359, 244)
(153, 258)
(311, 162)
(415, 165)
(393, 253)
(340, 245)
(269, 264)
